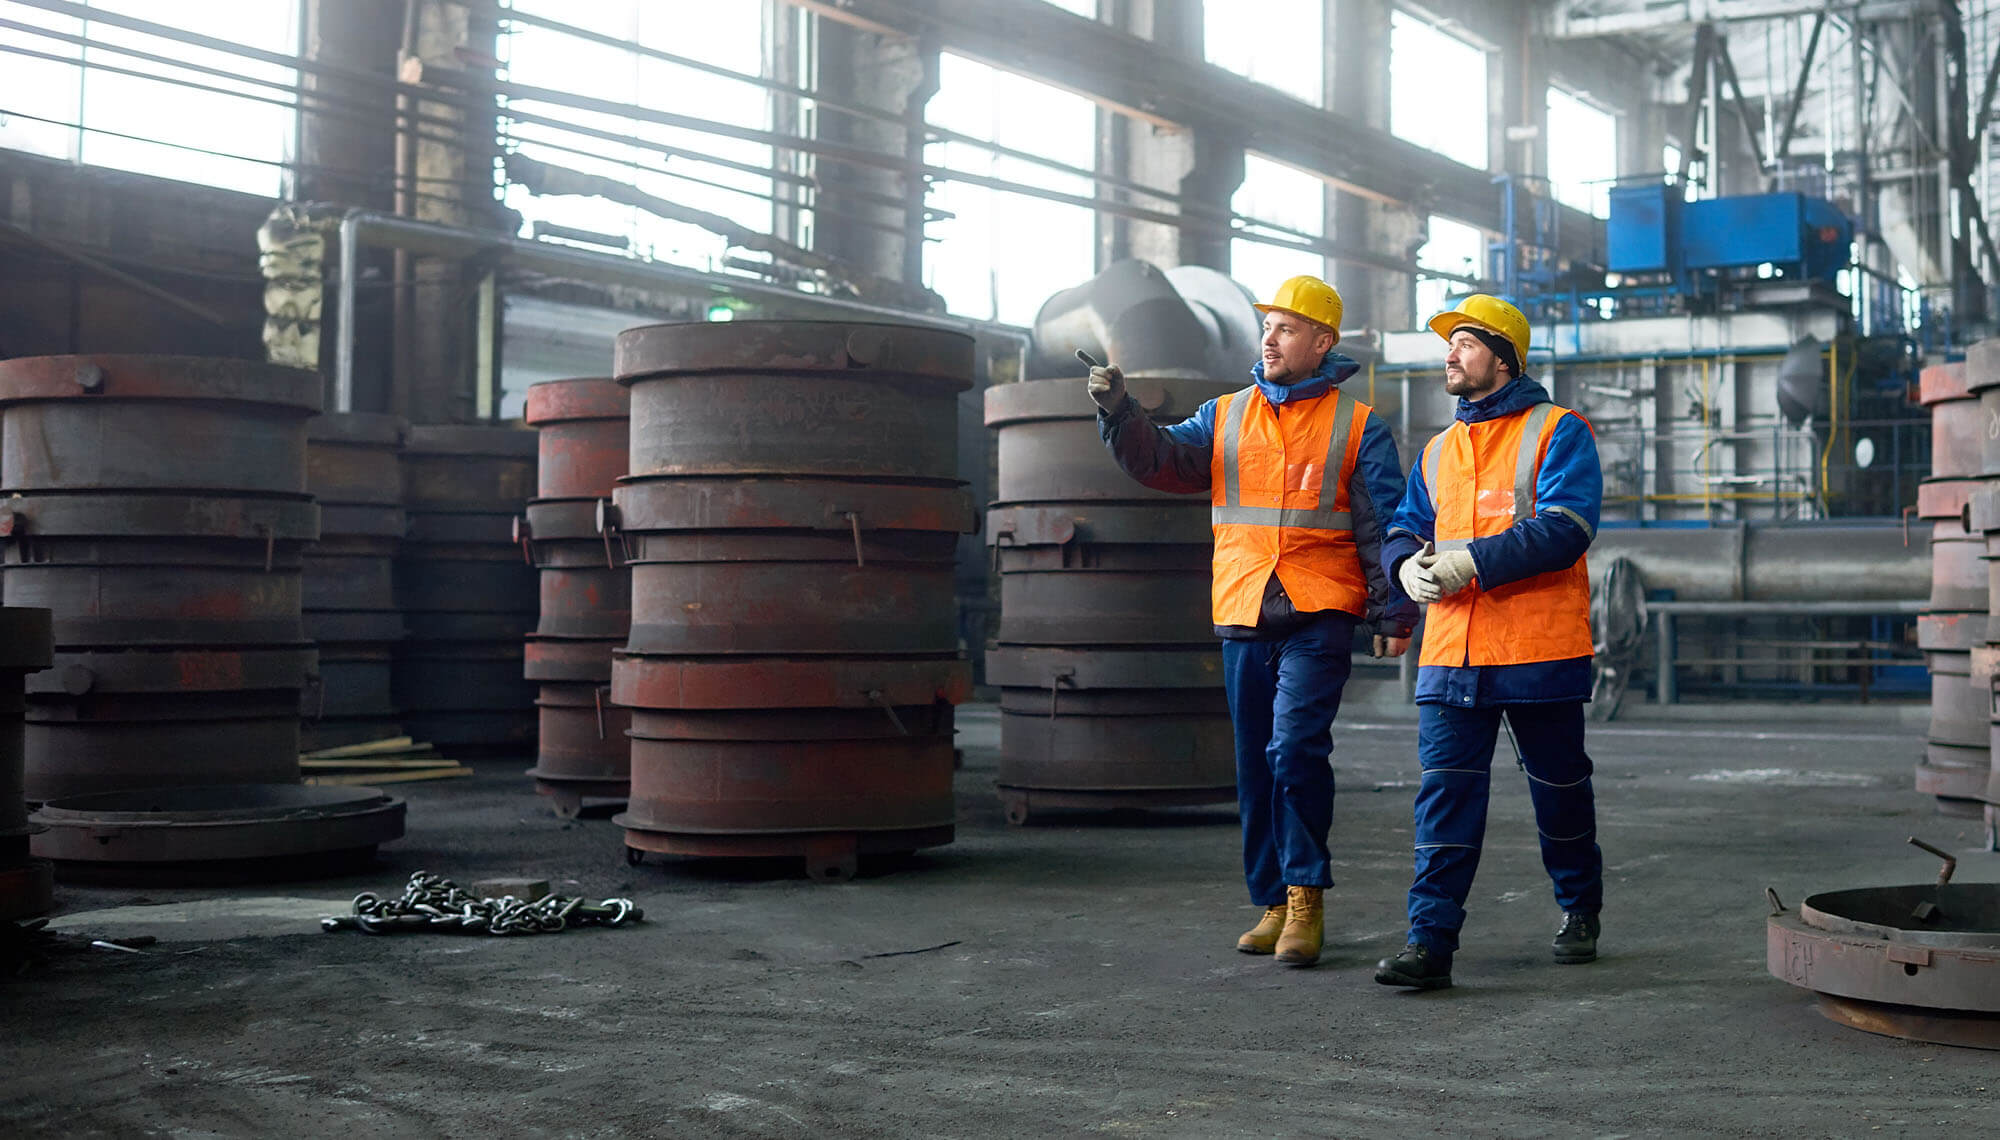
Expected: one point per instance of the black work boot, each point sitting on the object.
(1417, 967)
(1577, 940)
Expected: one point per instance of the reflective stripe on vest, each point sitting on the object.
(1279, 477)
(1525, 470)
(1232, 512)
(1541, 618)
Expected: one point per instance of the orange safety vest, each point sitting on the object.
(1482, 480)
(1279, 498)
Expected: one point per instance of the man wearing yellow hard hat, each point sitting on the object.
(1301, 477)
(1490, 536)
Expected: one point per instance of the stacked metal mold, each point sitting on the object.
(1956, 754)
(157, 506)
(468, 595)
(349, 595)
(1982, 376)
(586, 591)
(791, 510)
(26, 883)
(1110, 682)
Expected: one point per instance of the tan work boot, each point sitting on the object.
(1263, 937)
(1299, 943)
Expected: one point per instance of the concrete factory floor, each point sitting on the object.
(1071, 977)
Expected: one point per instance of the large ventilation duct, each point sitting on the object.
(1186, 323)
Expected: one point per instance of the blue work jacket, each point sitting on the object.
(1569, 483)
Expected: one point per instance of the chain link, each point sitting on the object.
(435, 903)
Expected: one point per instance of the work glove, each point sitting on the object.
(1418, 581)
(1107, 386)
(1453, 571)
(1390, 646)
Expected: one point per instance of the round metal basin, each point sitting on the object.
(250, 831)
(1879, 968)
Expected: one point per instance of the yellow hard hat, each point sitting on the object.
(1489, 313)
(1310, 298)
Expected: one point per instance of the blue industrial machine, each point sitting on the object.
(1660, 245)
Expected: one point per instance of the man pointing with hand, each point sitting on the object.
(1301, 477)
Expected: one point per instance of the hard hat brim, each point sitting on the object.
(1299, 315)
(1447, 323)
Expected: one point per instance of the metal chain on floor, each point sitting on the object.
(435, 903)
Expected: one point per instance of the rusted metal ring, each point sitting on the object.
(582, 398)
(141, 377)
(883, 351)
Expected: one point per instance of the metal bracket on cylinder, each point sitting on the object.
(854, 525)
(607, 525)
(14, 525)
(879, 698)
(597, 696)
(524, 536)
(270, 543)
(1950, 861)
(90, 377)
(1060, 679)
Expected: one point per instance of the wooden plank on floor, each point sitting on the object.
(385, 746)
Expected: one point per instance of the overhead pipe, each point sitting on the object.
(369, 227)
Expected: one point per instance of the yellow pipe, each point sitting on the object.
(1371, 383)
(1707, 461)
(1832, 423)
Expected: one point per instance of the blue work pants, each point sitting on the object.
(1283, 692)
(1455, 750)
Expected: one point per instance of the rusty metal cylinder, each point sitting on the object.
(349, 595)
(158, 506)
(1111, 688)
(790, 517)
(1954, 629)
(466, 589)
(26, 883)
(569, 534)
(1970, 794)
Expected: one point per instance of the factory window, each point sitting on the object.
(1001, 253)
(1275, 199)
(1448, 117)
(1084, 8)
(683, 188)
(1583, 153)
(1279, 43)
(1453, 247)
(86, 90)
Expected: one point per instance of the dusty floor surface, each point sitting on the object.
(1089, 984)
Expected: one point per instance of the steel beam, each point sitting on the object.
(1575, 25)
(1130, 75)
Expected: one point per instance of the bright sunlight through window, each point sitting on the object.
(1447, 117)
(1583, 153)
(1277, 194)
(1001, 254)
(1279, 43)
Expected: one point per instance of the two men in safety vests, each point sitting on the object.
(1316, 533)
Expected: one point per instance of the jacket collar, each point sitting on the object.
(1517, 395)
(1332, 370)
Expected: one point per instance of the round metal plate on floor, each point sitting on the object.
(218, 831)
(1876, 964)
